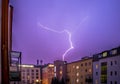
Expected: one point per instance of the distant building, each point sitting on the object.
(60, 70)
(80, 72)
(30, 74)
(106, 67)
(47, 73)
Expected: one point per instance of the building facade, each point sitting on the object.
(60, 70)
(30, 74)
(80, 72)
(47, 73)
(106, 67)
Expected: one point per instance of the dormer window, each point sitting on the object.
(113, 52)
(105, 54)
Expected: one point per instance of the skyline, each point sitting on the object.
(94, 26)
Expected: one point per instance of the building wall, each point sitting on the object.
(30, 74)
(48, 74)
(79, 71)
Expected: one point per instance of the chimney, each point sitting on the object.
(37, 62)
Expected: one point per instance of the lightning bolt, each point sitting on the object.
(68, 33)
(69, 38)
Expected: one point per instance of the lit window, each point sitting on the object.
(104, 54)
(113, 52)
(73, 66)
(55, 69)
(96, 66)
(60, 72)
(90, 70)
(77, 80)
(77, 67)
(77, 74)
(55, 74)
(96, 81)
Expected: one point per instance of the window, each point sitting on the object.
(115, 73)
(111, 73)
(36, 77)
(32, 70)
(36, 73)
(77, 80)
(96, 81)
(77, 67)
(73, 66)
(111, 82)
(77, 74)
(113, 52)
(115, 82)
(85, 70)
(96, 73)
(90, 70)
(36, 70)
(105, 54)
(96, 66)
(81, 64)
(111, 63)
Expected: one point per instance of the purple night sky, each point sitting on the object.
(94, 25)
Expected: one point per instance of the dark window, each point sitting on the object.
(81, 82)
(36, 70)
(36, 77)
(85, 70)
(32, 70)
(115, 82)
(96, 73)
(81, 64)
(36, 73)
(111, 63)
(111, 73)
(115, 73)
(32, 73)
(111, 82)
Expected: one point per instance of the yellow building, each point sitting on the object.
(80, 72)
(47, 73)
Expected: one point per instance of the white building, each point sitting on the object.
(106, 67)
(30, 74)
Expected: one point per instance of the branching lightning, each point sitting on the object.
(64, 31)
(69, 38)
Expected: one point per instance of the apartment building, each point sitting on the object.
(80, 72)
(106, 67)
(30, 74)
(47, 73)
